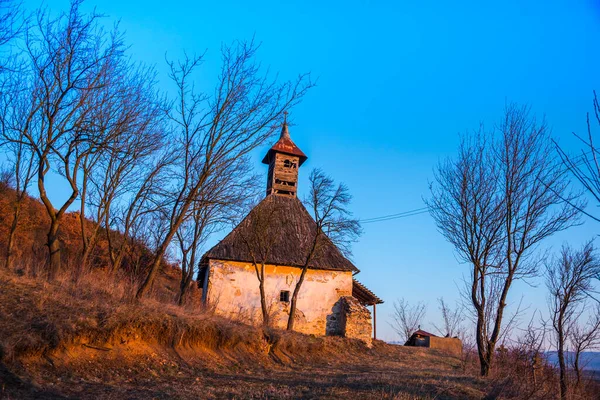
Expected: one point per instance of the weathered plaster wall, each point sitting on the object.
(233, 292)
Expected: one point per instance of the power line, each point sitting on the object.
(389, 217)
(423, 210)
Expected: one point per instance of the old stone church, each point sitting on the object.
(330, 302)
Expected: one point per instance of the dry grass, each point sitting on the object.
(89, 339)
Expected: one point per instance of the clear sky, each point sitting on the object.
(397, 82)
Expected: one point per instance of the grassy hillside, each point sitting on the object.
(88, 340)
(84, 336)
(30, 251)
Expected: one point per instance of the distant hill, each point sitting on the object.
(589, 360)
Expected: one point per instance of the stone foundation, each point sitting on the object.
(350, 319)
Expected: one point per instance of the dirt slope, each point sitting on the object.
(64, 341)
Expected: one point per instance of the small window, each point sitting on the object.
(289, 164)
(284, 296)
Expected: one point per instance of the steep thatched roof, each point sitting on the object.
(282, 225)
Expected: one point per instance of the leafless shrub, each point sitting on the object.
(569, 279)
(407, 318)
(583, 337)
(452, 319)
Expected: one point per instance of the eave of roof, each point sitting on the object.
(363, 294)
(285, 145)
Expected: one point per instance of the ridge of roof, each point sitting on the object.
(423, 333)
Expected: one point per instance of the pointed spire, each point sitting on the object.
(284, 129)
(284, 145)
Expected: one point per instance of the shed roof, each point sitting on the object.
(364, 295)
(287, 229)
(423, 333)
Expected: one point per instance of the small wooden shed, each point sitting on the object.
(420, 338)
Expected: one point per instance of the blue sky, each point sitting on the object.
(397, 82)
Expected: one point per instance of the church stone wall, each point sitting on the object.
(351, 319)
(232, 291)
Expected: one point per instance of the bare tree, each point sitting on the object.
(583, 338)
(214, 133)
(259, 241)
(74, 68)
(133, 122)
(334, 223)
(13, 108)
(585, 167)
(452, 319)
(21, 164)
(12, 25)
(216, 206)
(569, 281)
(406, 319)
(502, 196)
(129, 214)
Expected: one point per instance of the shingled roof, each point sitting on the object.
(285, 145)
(288, 234)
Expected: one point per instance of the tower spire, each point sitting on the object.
(284, 159)
(284, 128)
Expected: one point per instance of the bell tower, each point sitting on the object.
(284, 159)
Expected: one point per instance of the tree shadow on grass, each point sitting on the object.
(14, 387)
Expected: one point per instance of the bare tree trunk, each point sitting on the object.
(118, 260)
(91, 244)
(187, 274)
(577, 369)
(293, 303)
(184, 285)
(263, 299)
(85, 241)
(158, 258)
(54, 265)
(562, 364)
(11, 235)
(484, 365)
